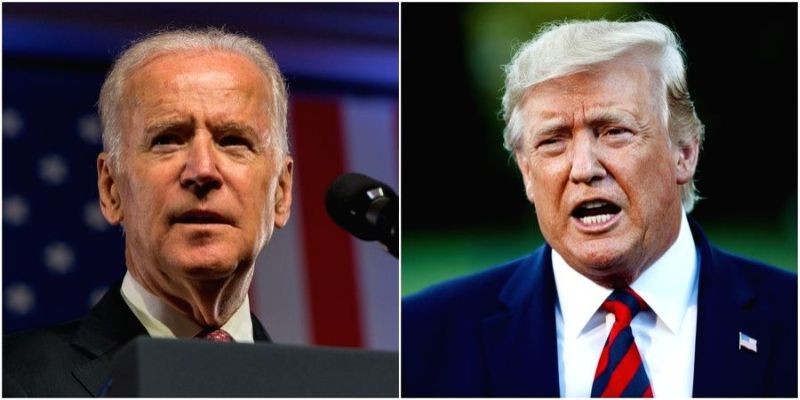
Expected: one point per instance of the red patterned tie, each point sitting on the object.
(215, 335)
(620, 372)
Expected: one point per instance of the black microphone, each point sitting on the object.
(366, 208)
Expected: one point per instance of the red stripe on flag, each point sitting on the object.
(329, 255)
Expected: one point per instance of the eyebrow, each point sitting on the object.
(161, 126)
(557, 122)
(230, 126)
(236, 127)
(549, 126)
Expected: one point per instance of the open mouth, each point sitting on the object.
(595, 212)
(200, 217)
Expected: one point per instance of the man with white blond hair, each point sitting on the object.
(627, 298)
(196, 170)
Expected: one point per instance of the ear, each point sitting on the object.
(524, 169)
(108, 187)
(686, 155)
(283, 193)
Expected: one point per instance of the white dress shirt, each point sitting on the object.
(665, 335)
(163, 321)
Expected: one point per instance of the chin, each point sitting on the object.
(608, 266)
(601, 255)
(209, 271)
(197, 264)
(601, 258)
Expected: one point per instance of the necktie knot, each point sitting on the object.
(215, 335)
(624, 304)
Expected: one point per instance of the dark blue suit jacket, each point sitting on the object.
(74, 359)
(493, 333)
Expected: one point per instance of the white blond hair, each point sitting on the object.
(564, 48)
(208, 39)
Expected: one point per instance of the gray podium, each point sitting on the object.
(149, 367)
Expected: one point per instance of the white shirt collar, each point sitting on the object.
(666, 286)
(163, 321)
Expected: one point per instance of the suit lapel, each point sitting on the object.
(108, 326)
(259, 333)
(520, 343)
(725, 307)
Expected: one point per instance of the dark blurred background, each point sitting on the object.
(463, 203)
(314, 283)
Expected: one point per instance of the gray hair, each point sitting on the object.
(209, 39)
(564, 48)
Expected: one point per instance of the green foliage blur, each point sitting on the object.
(429, 258)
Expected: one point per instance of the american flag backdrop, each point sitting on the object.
(322, 285)
(314, 283)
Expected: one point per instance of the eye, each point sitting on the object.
(234, 140)
(616, 135)
(614, 131)
(549, 141)
(165, 139)
(551, 145)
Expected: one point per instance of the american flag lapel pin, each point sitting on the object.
(747, 342)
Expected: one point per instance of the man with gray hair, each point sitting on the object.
(196, 170)
(626, 298)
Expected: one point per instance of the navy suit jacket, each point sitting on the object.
(494, 333)
(74, 359)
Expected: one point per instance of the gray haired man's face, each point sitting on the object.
(601, 171)
(202, 186)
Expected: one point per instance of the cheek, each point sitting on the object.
(145, 197)
(548, 182)
(652, 183)
(262, 201)
(548, 179)
(257, 194)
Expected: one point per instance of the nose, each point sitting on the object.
(586, 164)
(200, 173)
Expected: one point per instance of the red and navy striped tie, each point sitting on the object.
(620, 372)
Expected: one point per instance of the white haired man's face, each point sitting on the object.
(601, 171)
(200, 186)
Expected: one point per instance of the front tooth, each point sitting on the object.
(596, 219)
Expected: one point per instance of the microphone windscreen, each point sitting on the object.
(348, 200)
